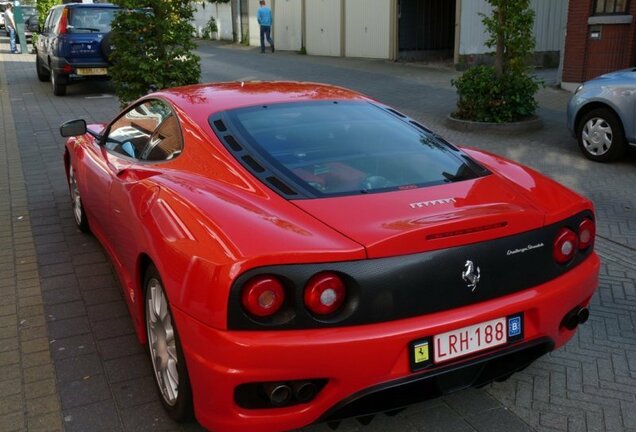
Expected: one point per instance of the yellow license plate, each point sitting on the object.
(92, 71)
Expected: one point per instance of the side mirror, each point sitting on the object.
(73, 128)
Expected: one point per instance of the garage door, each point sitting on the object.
(367, 32)
(287, 25)
(322, 20)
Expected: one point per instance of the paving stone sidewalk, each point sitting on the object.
(101, 375)
(27, 380)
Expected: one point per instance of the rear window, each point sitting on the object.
(342, 148)
(90, 20)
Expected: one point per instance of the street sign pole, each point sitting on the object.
(19, 23)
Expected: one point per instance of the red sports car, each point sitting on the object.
(295, 253)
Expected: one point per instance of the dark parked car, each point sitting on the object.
(73, 45)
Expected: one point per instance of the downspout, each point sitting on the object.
(343, 29)
(303, 23)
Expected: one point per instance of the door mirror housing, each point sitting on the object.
(73, 128)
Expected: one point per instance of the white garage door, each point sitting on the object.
(367, 32)
(322, 20)
(287, 25)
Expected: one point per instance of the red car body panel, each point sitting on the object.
(352, 358)
(204, 220)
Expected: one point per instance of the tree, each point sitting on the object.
(43, 7)
(152, 47)
(510, 29)
(503, 92)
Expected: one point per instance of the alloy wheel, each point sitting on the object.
(162, 341)
(78, 212)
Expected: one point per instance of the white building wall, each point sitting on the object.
(323, 20)
(367, 28)
(287, 25)
(222, 14)
(550, 16)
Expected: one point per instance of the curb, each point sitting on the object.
(530, 125)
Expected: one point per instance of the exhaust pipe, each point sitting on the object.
(304, 391)
(583, 315)
(278, 394)
(576, 316)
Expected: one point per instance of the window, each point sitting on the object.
(91, 20)
(607, 7)
(344, 148)
(148, 131)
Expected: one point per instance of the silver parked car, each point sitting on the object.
(602, 115)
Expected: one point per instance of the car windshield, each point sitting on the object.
(342, 148)
(91, 20)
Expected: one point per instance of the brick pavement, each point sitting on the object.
(102, 375)
(27, 382)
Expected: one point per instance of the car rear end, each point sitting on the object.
(82, 44)
(271, 380)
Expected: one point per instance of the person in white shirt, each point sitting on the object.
(9, 23)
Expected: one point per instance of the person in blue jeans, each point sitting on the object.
(264, 18)
(9, 23)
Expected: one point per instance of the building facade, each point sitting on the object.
(449, 31)
(444, 30)
(600, 39)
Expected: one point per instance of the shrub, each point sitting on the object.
(484, 97)
(210, 27)
(152, 47)
(503, 92)
(43, 7)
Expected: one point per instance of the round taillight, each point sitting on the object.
(565, 245)
(325, 293)
(263, 296)
(587, 231)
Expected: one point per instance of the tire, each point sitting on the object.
(76, 202)
(43, 74)
(166, 355)
(59, 86)
(601, 136)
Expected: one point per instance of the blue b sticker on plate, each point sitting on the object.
(514, 327)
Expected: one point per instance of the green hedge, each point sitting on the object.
(484, 97)
(152, 47)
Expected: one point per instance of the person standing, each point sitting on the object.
(9, 23)
(264, 18)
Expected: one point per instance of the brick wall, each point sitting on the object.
(608, 53)
(586, 58)
(575, 40)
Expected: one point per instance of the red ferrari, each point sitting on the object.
(295, 253)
